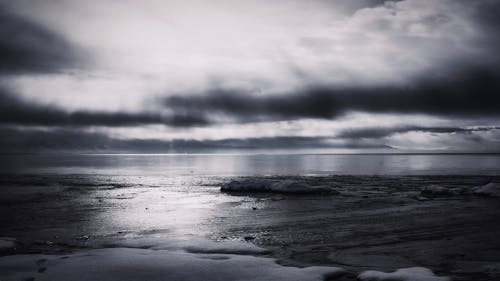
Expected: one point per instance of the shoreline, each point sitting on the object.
(374, 223)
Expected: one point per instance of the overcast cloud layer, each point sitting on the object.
(170, 76)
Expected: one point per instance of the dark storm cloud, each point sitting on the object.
(246, 105)
(27, 140)
(474, 92)
(18, 140)
(381, 132)
(272, 142)
(467, 86)
(27, 47)
(14, 111)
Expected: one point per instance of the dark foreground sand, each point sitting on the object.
(373, 223)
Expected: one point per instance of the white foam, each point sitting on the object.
(404, 274)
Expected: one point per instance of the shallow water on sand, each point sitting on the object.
(72, 203)
(258, 164)
(373, 223)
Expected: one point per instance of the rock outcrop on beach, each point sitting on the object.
(276, 186)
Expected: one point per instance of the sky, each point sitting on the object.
(159, 76)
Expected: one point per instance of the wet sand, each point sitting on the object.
(374, 223)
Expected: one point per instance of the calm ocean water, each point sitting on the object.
(240, 165)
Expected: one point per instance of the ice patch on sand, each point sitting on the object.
(7, 243)
(276, 186)
(194, 246)
(227, 247)
(491, 189)
(128, 264)
(404, 274)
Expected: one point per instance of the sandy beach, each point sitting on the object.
(369, 223)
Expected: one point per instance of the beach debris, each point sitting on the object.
(275, 186)
(249, 238)
(83, 237)
(44, 242)
(403, 274)
(491, 189)
(418, 197)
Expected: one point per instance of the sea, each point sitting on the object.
(252, 164)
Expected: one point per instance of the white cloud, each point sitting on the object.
(145, 49)
(262, 44)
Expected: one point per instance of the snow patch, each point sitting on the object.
(491, 189)
(193, 246)
(404, 274)
(277, 186)
(227, 247)
(128, 264)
